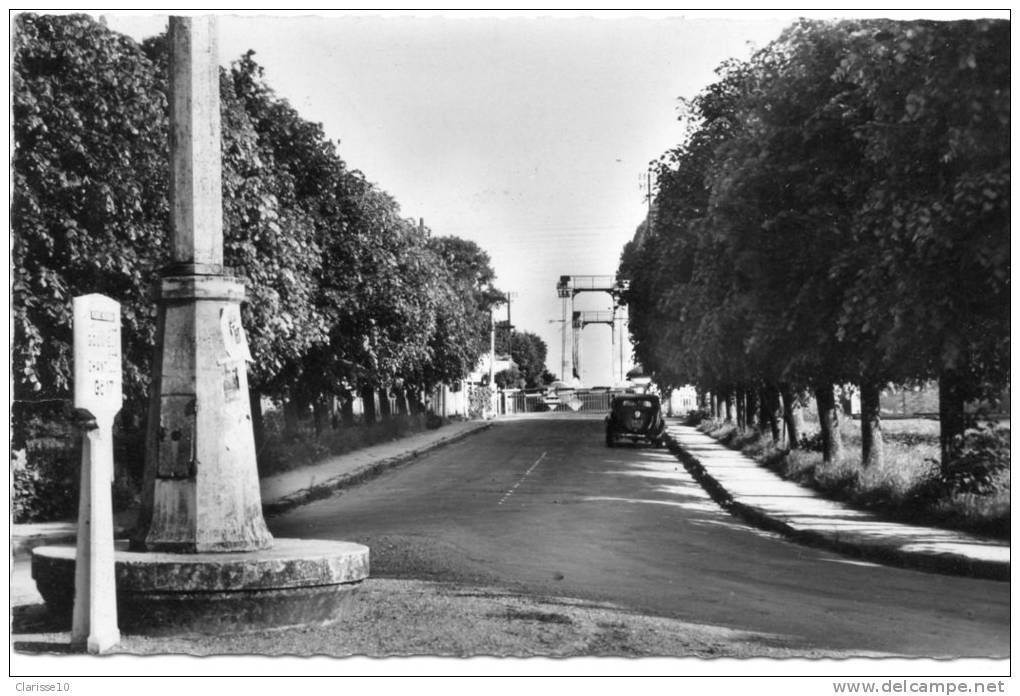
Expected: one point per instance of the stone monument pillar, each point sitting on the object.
(200, 490)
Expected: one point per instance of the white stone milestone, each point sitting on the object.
(97, 389)
(98, 384)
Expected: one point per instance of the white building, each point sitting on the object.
(481, 372)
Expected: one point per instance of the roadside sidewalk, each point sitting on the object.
(290, 488)
(764, 499)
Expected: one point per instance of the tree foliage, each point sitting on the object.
(89, 205)
(838, 213)
(464, 302)
(528, 351)
(343, 293)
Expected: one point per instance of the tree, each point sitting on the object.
(380, 288)
(528, 351)
(685, 315)
(90, 203)
(784, 192)
(343, 293)
(270, 230)
(510, 378)
(89, 206)
(369, 284)
(269, 235)
(935, 290)
(838, 213)
(465, 299)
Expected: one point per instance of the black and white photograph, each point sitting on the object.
(479, 343)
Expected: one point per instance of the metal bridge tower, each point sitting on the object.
(566, 289)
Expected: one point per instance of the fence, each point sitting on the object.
(512, 401)
(447, 403)
(358, 404)
(453, 402)
(445, 400)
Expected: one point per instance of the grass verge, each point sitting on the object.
(281, 452)
(907, 486)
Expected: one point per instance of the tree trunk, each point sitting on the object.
(347, 409)
(291, 418)
(872, 447)
(771, 410)
(828, 420)
(402, 401)
(258, 425)
(321, 411)
(791, 415)
(384, 404)
(728, 403)
(952, 419)
(368, 404)
(751, 410)
(741, 409)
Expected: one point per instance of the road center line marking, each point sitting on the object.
(524, 476)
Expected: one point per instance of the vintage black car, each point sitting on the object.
(635, 417)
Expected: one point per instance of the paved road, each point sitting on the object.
(544, 507)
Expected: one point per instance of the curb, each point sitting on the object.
(946, 564)
(326, 488)
(23, 545)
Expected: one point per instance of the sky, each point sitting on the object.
(528, 135)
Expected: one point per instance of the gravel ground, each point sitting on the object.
(390, 617)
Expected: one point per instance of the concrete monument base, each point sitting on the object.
(296, 582)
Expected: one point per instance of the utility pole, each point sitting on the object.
(646, 184)
(492, 351)
(509, 324)
(649, 194)
(493, 395)
(612, 348)
(623, 377)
